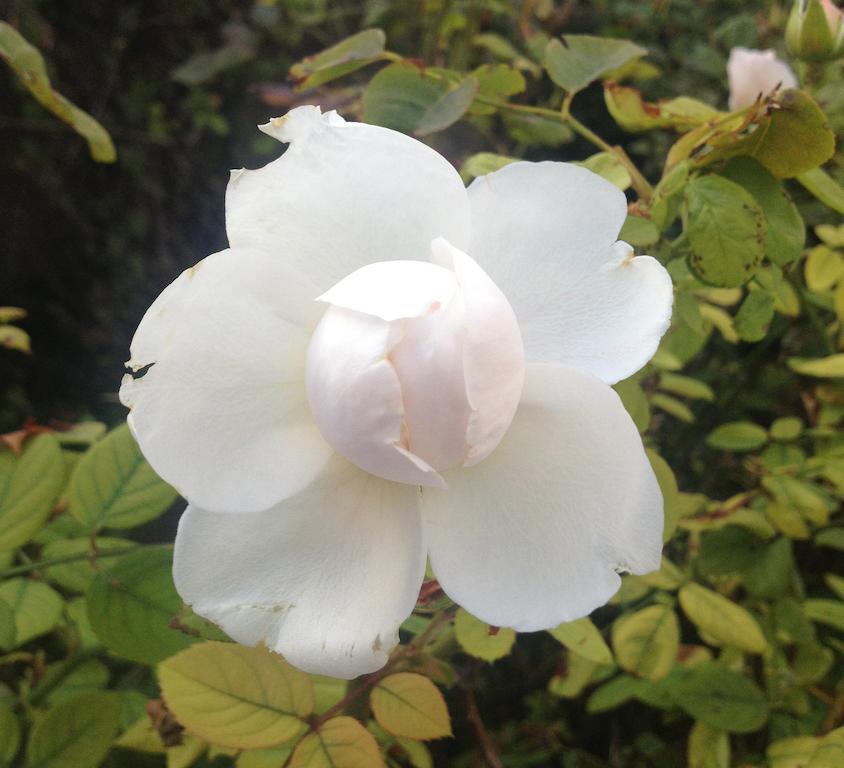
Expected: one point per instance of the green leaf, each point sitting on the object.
(639, 231)
(483, 163)
(608, 166)
(398, 96)
(29, 485)
(613, 694)
(831, 367)
(646, 642)
(708, 747)
(785, 231)
(448, 108)
(633, 113)
(8, 631)
(677, 408)
(575, 61)
(77, 576)
(37, 607)
(831, 537)
(10, 733)
(131, 605)
(90, 675)
(754, 316)
(583, 638)
(234, 696)
(76, 733)
(721, 620)
(342, 742)
(410, 705)
(479, 640)
(726, 230)
(791, 492)
(28, 64)
(823, 611)
(496, 81)
(824, 268)
(635, 402)
(786, 428)
(719, 697)
(789, 135)
(341, 59)
(579, 672)
(686, 386)
(264, 758)
(737, 436)
(824, 188)
(114, 487)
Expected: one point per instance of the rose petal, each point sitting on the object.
(325, 578)
(222, 412)
(544, 233)
(345, 195)
(534, 535)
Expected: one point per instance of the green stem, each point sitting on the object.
(37, 565)
(640, 183)
(54, 678)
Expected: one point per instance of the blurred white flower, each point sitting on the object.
(386, 366)
(752, 74)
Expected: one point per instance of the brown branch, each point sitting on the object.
(485, 742)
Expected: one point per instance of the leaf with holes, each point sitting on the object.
(407, 704)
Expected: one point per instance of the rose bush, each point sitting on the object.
(410, 403)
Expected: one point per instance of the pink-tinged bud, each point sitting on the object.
(756, 74)
(815, 30)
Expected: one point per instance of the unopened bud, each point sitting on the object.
(815, 30)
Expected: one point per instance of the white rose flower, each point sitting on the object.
(386, 366)
(753, 74)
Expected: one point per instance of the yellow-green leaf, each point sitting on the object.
(234, 696)
(737, 436)
(646, 642)
(824, 611)
(583, 638)
(341, 59)
(37, 607)
(831, 367)
(342, 742)
(823, 187)
(708, 747)
(29, 485)
(823, 269)
(479, 640)
(408, 704)
(722, 620)
(29, 66)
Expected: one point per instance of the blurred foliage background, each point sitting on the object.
(729, 656)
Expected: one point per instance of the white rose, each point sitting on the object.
(385, 366)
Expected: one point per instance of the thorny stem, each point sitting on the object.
(37, 565)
